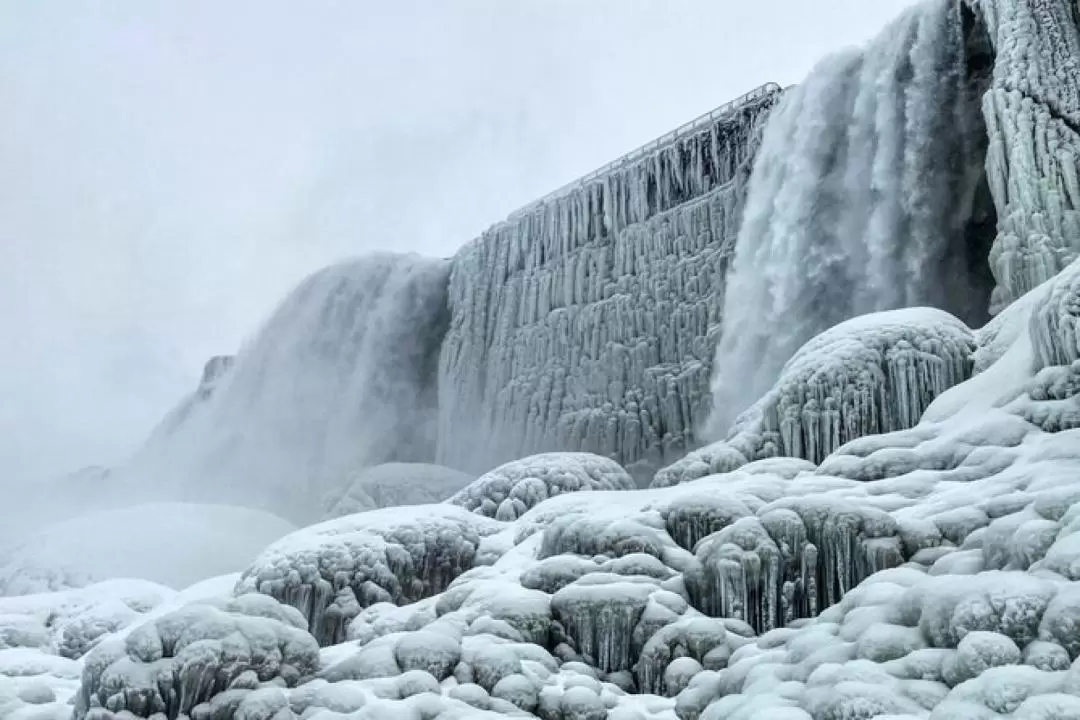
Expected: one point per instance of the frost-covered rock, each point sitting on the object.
(188, 542)
(396, 485)
(509, 490)
(869, 375)
(332, 570)
(189, 662)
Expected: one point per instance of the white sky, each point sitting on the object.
(168, 170)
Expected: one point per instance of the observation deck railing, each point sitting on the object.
(697, 123)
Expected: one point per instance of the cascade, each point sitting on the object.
(868, 178)
(340, 377)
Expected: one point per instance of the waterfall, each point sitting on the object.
(862, 198)
(341, 376)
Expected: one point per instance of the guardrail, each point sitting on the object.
(757, 93)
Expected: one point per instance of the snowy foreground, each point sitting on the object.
(931, 572)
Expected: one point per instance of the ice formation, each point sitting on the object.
(188, 542)
(207, 660)
(864, 196)
(931, 572)
(588, 322)
(510, 490)
(1033, 118)
(869, 375)
(395, 485)
(892, 532)
(340, 377)
(336, 568)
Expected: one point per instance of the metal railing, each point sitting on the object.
(757, 93)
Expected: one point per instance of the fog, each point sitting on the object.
(168, 171)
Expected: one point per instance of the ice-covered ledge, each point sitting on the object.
(587, 321)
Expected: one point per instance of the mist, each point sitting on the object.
(169, 171)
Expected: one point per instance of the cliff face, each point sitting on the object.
(588, 320)
(1032, 112)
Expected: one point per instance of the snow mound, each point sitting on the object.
(396, 485)
(210, 659)
(70, 622)
(509, 490)
(869, 375)
(188, 542)
(332, 570)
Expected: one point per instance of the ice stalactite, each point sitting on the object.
(860, 201)
(588, 322)
(341, 376)
(1032, 114)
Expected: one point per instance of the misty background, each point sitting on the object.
(168, 171)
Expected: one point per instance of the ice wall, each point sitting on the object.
(341, 376)
(588, 321)
(861, 200)
(1033, 116)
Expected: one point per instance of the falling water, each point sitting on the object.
(862, 199)
(341, 376)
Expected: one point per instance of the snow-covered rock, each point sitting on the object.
(238, 653)
(869, 375)
(176, 544)
(509, 490)
(332, 570)
(396, 485)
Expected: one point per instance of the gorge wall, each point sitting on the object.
(587, 321)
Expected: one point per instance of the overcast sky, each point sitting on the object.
(168, 170)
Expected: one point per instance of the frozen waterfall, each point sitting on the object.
(865, 196)
(341, 376)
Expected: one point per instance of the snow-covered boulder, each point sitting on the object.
(330, 571)
(509, 490)
(239, 653)
(396, 485)
(872, 374)
(182, 543)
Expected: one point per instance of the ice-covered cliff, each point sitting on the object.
(587, 321)
(1033, 117)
